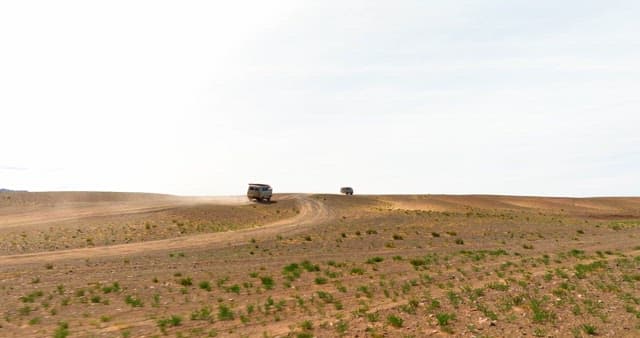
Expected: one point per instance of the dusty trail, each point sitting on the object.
(312, 212)
(43, 214)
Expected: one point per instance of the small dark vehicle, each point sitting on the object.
(346, 190)
(259, 192)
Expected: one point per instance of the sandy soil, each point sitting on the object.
(143, 265)
(309, 211)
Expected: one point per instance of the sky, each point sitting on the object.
(389, 97)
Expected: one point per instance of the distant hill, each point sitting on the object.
(9, 190)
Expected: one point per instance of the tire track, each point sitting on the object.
(311, 212)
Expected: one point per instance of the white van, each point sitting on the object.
(346, 190)
(259, 192)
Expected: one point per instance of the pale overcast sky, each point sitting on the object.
(202, 97)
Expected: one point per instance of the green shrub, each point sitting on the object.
(321, 280)
(374, 260)
(310, 267)
(133, 301)
(583, 269)
(62, 331)
(292, 271)
(235, 288)
(454, 298)
(225, 313)
(267, 282)
(395, 321)
(342, 326)
(498, 286)
(540, 315)
(589, 329)
(325, 296)
(115, 287)
(205, 285)
(30, 298)
(357, 271)
(24, 311)
(373, 317)
(172, 321)
(201, 314)
(307, 325)
(444, 318)
(365, 289)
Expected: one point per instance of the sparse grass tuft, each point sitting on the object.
(498, 286)
(30, 298)
(115, 287)
(373, 317)
(395, 321)
(205, 285)
(357, 271)
(540, 314)
(309, 267)
(374, 260)
(225, 313)
(62, 331)
(133, 301)
(307, 325)
(292, 271)
(589, 329)
(201, 314)
(341, 327)
(172, 321)
(321, 280)
(444, 319)
(267, 282)
(235, 288)
(583, 269)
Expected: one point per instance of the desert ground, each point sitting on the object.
(88, 264)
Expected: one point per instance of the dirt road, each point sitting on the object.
(311, 211)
